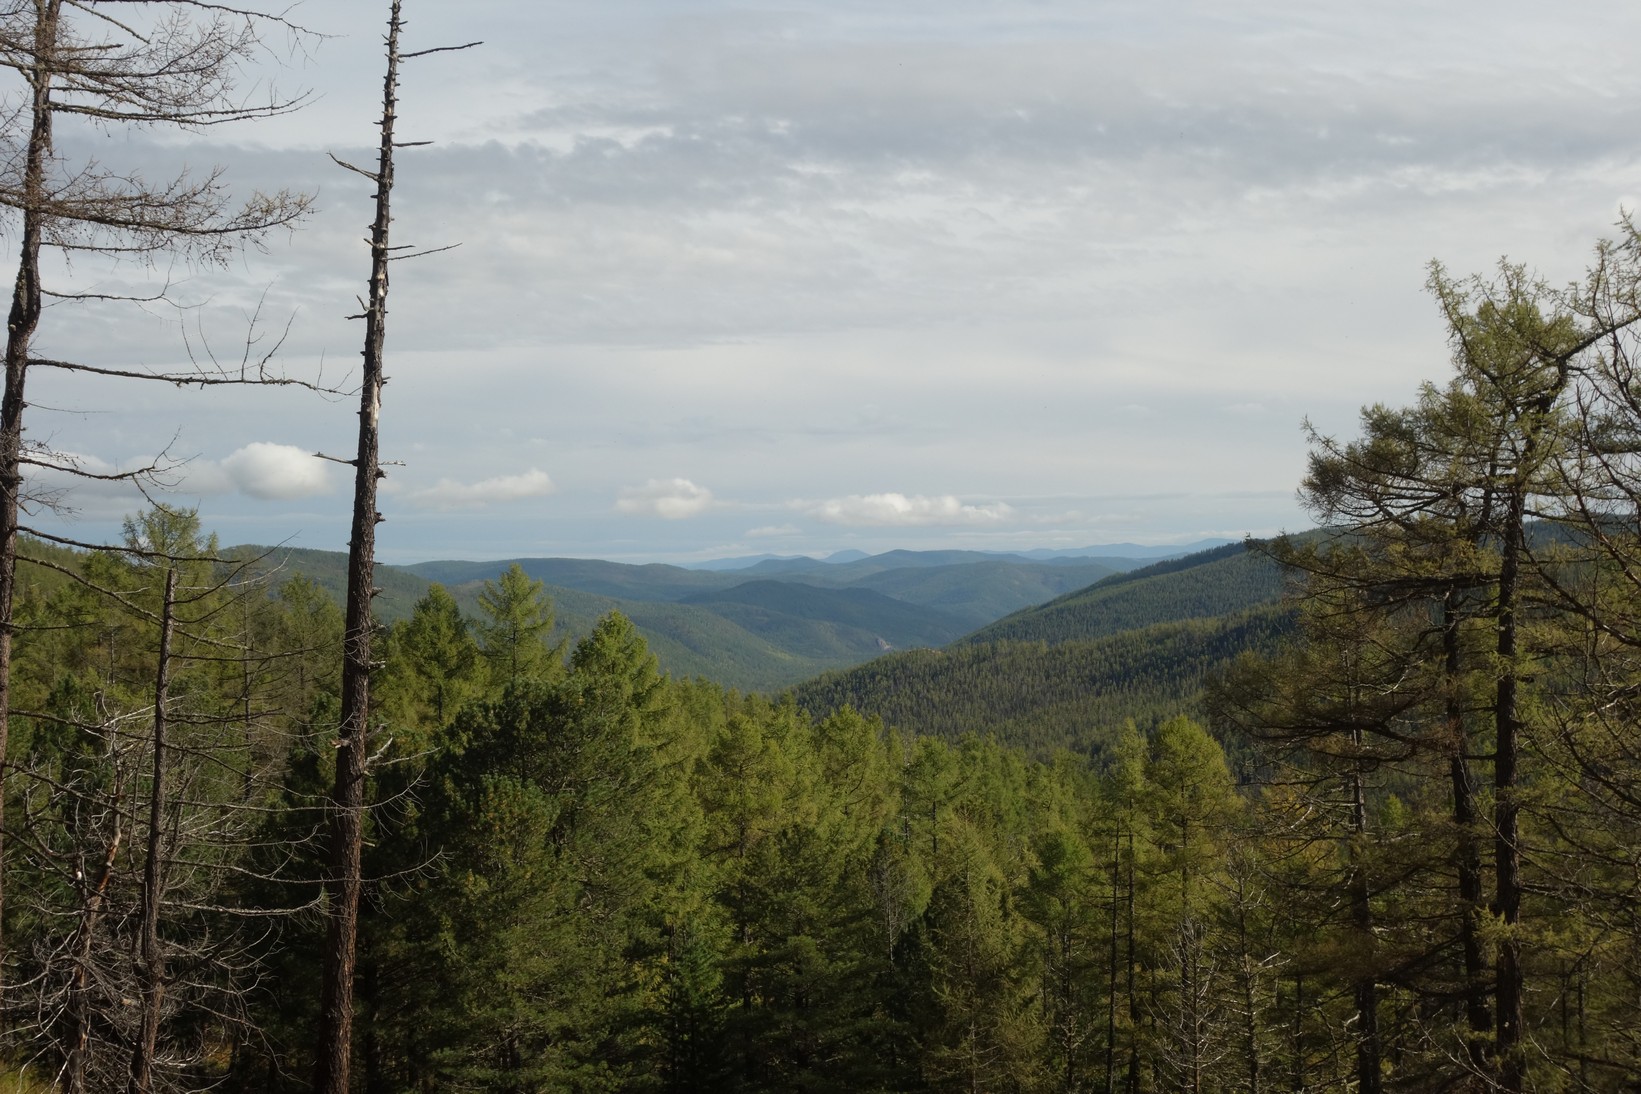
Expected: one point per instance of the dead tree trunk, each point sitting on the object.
(345, 884)
(21, 323)
(153, 879)
(1369, 1053)
(82, 946)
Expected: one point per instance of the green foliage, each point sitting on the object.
(516, 618)
(1225, 581)
(434, 668)
(975, 592)
(1044, 697)
(861, 622)
(1016, 864)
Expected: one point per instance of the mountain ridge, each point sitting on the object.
(779, 629)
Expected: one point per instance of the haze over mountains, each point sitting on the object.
(766, 623)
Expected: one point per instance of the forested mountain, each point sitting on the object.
(626, 881)
(328, 570)
(757, 636)
(1216, 582)
(650, 581)
(976, 592)
(1138, 645)
(1042, 697)
(882, 621)
(759, 627)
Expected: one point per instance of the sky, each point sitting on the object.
(795, 278)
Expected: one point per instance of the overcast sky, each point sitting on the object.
(831, 274)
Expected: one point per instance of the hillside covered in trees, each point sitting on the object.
(1353, 810)
(584, 873)
(1067, 674)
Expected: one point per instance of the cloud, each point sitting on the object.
(261, 469)
(451, 494)
(673, 499)
(774, 530)
(899, 510)
(272, 472)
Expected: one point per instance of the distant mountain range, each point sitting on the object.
(1037, 554)
(763, 623)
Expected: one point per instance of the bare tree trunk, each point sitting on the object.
(1250, 989)
(1132, 1081)
(1299, 1083)
(153, 956)
(21, 323)
(1110, 1086)
(345, 884)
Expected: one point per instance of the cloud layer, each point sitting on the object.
(450, 494)
(1059, 272)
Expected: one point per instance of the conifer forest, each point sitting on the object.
(1359, 810)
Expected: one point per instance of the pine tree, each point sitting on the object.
(1427, 582)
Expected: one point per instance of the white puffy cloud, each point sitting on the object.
(451, 494)
(261, 469)
(887, 510)
(673, 499)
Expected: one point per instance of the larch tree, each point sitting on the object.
(513, 632)
(433, 668)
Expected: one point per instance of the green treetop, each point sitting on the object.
(518, 618)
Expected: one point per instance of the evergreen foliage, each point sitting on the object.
(1041, 696)
(1224, 581)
